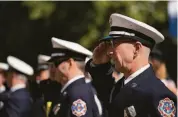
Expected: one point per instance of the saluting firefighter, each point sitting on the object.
(139, 93)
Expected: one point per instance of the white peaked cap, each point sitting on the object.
(4, 66)
(121, 21)
(20, 65)
(43, 58)
(63, 44)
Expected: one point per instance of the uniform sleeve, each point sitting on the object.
(4, 96)
(164, 106)
(102, 80)
(81, 102)
(152, 102)
(17, 107)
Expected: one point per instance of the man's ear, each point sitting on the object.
(71, 61)
(137, 46)
(68, 64)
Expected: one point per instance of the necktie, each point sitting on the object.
(116, 87)
(122, 83)
(111, 94)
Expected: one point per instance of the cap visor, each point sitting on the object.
(52, 59)
(107, 38)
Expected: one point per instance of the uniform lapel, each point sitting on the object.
(116, 89)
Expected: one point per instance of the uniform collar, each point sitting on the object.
(17, 87)
(88, 80)
(2, 88)
(120, 76)
(135, 74)
(71, 81)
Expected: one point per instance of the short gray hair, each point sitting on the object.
(81, 65)
(22, 77)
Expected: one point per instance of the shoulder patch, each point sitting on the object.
(79, 108)
(166, 108)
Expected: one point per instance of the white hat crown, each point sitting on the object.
(43, 58)
(20, 65)
(4, 66)
(63, 44)
(119, 20)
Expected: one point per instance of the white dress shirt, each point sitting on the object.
(71, 81)
(2, 88)
(135, 74)
(17, 87)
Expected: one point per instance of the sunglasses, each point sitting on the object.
(114, 42)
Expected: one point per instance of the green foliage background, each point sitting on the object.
(27, 26)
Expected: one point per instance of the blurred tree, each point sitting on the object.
(97, 16)
(138, 10)
(40, 9)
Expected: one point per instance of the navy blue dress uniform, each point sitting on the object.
(47, 88)
(17, 104)
(51, 93)
(17, 101)
(78, 99)
(43, 91)
(50, 88)
(38, 106)
(3, 69)
(3, 96)
(144, 95)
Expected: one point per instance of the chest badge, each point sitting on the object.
(56, 108)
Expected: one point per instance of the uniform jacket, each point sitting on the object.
(143, 96)
(16, 104)
(77, 100)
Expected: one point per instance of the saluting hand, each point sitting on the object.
(100, 55)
